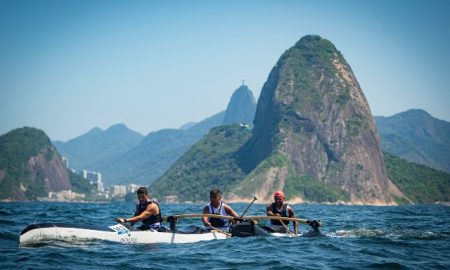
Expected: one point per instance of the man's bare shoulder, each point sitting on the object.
(152, 206)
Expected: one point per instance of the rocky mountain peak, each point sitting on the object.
(313, 112)
(241, 108)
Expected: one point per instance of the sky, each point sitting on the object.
(69, 66)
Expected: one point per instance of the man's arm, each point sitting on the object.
(205, 219)
(269, 211)
(151, 209)
(292, 215)
(230, 211)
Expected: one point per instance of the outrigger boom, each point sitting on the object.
(299, 220)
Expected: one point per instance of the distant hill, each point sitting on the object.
(30, 167)
(241, 108)
(141, 160)
(416, 136)
(159, 150)
(97, 146)
(149, 159)
(419, 183)
(314, 137)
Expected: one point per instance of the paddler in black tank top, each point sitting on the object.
(281, 209)
(147, 211)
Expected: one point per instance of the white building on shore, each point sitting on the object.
(95, 178)
(132, 188)
(65, 195)
(118, 190)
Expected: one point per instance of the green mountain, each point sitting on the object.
(97, 146)
(416, 136)
(209, 163)
(30, 167)
(419, 183)
(314, 137)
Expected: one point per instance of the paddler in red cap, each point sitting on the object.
(281, 209)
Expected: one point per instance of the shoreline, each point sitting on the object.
(291, 202)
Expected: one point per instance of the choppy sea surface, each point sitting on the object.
(357, 237)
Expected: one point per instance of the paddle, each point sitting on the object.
(221, 231)
(254, 199)
(287, 229)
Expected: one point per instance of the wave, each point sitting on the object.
(388, 234)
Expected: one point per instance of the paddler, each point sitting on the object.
(147, 211)
(281, 209)
(216, 206)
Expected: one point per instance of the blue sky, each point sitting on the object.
(68, 66)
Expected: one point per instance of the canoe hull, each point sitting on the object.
(38, 233)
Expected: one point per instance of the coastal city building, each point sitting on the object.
(118, 190)
(65, 195)
(132, 188)
(66, 161)
(95, 179)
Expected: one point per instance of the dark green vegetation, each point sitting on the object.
(21, 179)
(80, 185)
(209, 164)
(418, 137)
(16, 148)
(419, 183)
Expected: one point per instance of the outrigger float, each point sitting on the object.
(38, 234)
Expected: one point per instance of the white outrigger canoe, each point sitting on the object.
(45, 232)
(36, 234)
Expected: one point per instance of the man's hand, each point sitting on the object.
(120, 220)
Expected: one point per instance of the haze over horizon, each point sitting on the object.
(69, 66)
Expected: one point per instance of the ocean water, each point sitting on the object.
(356, 237)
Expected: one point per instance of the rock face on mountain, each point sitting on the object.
(241, 108)
(416, 136)
(313, 113)
(30, 166)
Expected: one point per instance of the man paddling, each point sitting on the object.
(281, 209)
(147, 211)
(216, 206)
